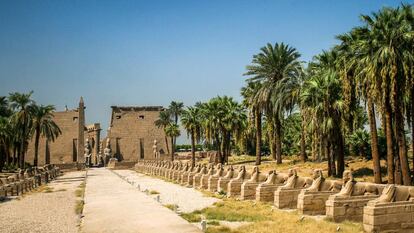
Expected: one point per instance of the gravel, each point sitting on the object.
(44, 211)
(187, 199)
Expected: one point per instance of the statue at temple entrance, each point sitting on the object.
(101, 161)
(87, 153)
(108, 155)
(155, 150)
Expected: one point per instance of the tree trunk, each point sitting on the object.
(258, 122)
(172, 149)
(166, 144)
(192, 149)
(340, 152)
(390, 150)
(272, 140)
(36, 155)
(278, 140)
(374, 142)
(402, 149)
(303, 155)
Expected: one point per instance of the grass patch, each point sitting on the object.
(47, 189)
(61, 190)
(172, 207)
(213, 223)
(264, 219)
(193, 216)
(153, 192)
(79, 206)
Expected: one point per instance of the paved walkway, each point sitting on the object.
(113, 205)
(187, 199)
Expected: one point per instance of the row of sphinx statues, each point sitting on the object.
(340, 200)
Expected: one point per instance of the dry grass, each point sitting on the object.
(172, 207)
(80, 193)
(264, 219)
(153, 192)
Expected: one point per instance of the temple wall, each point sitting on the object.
(132, 133)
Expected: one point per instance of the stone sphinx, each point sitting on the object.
(190, 177)
(175, 167)
(286, 196)
(312, 200)
(175, 174)
(213, 180)
(182, 171)
(204, 178)
(184, 175)
(266, 191)
(392, 211)
(348, 204)
(248, 188)
(234, 186)
(197, 177)
(224, 180)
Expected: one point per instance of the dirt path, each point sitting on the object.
(113, 205)
(187, 199)
(49, 209)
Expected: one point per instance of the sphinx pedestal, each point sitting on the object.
(222, 184)
(248, 190)
(196, 180)
(212, 183)
(266, 192)
(286, 198)
(313, 203)
(234, 188)
(389, 217)
(204, 182)
(347, 208)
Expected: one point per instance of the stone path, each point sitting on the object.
(48, 209)
(187, 199)
(113, 205)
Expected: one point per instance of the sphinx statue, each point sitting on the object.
(286, 196)
(265, 191)
(204, 178)
(213, 180)
(248, 188)
(224, 180)
(234, 186)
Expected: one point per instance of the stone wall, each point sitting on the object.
(64, 149)
(132, 133)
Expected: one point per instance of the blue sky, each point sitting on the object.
(152, 52)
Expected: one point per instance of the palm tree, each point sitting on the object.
(173, 131)
(175, 109)
(269, 67)
(6, 135)
(191, 121)
(22, 103)
(249, 93)
(163, 121)
(43, 125)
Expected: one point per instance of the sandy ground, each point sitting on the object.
(187, 199)
(51, 211)
(114, 205)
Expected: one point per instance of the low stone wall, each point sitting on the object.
(313, 203)
(286, 198)
(248, 190)
(340, 208)
(389, 217)
(266, 192)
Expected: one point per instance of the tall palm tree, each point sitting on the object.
(175, 109)
(6, 135)
(43, 125)
(22, 103)
(249, 100)
(173, 131)
(163, 121)
(191, 121)
(269, 67)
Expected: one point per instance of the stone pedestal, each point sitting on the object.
(286, 198)
(196, 180)
(190, 179)
(347, 208)
(266, 192)
(389, 217)
(313, 203)
(175, 175)
(234, 188)
(212, 183)
(248, 190)
(222, 184)
(112, 163)
(204, 182)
